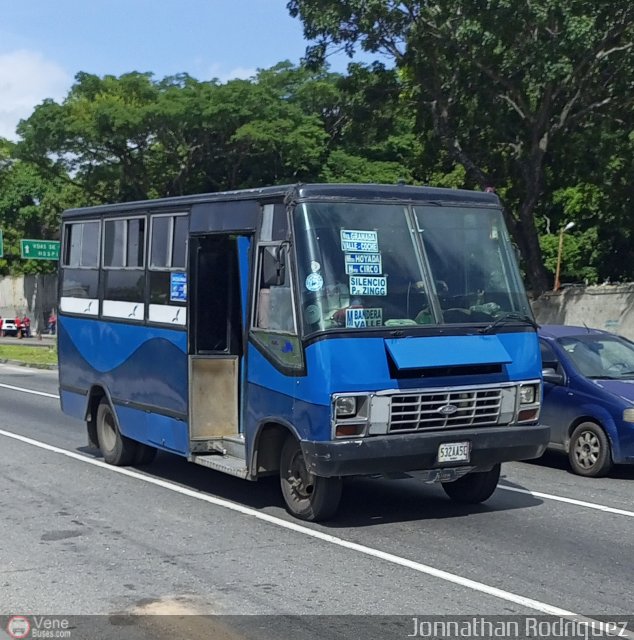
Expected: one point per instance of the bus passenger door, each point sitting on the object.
(215, 342)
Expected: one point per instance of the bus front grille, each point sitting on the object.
(445, 410)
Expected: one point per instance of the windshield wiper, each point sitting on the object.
(604, 376)
(509, 317)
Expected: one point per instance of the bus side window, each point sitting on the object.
(123, 275)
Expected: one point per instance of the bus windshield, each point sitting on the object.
(368, 265)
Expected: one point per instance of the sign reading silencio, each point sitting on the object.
(361, 318)
(368, 286)
(357, 240)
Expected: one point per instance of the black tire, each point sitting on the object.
(475, 487)
(115, 448)
(307, 496)
(144, 454)
(589, 452)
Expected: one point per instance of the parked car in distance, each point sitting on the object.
(588, 396)
(9, 328)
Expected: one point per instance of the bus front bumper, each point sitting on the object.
(397, 453)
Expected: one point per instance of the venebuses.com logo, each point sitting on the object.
(37, 627)
(18, 627)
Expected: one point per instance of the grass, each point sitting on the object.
(29, 355)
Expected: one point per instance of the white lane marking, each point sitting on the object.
(578, 503)
(32, 391)
(26, 371)
(508, 596)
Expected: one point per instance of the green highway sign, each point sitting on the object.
(39, 249)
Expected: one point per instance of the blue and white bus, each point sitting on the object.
(311, 331)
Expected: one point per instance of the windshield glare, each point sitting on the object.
(597, 356)
(365, 265)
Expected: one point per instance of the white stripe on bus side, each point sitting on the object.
(87, 306)
(127, 310)
(168, 314)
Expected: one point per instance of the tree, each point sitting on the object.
(374, 140)
(99, 137)
(591, 171)
(30, 206)
(498, 81)
(132, 138)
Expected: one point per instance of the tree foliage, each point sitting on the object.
(30, 206)
(532, 100)
(498, 81)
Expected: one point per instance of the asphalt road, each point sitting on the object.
(80, 538)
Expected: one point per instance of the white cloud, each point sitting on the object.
(242, 73)
(217, 71)
(27, 78)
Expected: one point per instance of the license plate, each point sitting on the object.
(454, 452)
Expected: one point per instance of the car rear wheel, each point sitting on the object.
(589, 451)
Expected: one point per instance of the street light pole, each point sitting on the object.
(569, 226)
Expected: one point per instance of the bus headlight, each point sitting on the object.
(528, 394)
(346, 406)
(350, 415)
(528, 403)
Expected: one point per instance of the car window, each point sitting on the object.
(600, 356)
(549, 357)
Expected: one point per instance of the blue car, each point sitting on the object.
(588, 398)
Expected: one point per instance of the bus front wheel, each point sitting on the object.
(307, 496)
(474, 487)
(115, 448)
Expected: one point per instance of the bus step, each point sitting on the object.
(234, 446)
(227, 464)
(226, 445)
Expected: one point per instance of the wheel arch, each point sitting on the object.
(602, 419)
(580, 420)
(267, 446)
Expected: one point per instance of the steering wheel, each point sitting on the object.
(457, 315)
(618, 367)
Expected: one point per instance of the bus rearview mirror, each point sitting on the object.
(274, 267)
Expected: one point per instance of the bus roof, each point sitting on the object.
(295, 192)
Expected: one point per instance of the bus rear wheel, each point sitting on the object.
(115, 448)
(307, 496)
(474, 487)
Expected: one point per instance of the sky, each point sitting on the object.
(45, 43)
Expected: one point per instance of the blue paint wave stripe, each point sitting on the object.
(107, 345)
